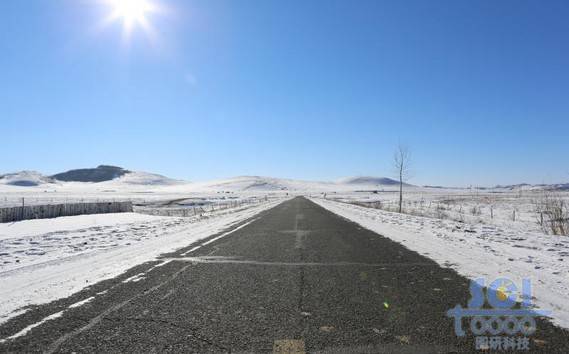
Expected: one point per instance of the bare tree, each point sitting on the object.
(401, 163)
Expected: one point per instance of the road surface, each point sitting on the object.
(296, 278)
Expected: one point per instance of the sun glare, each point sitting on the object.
(132, 12)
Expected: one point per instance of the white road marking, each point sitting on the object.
(82, 302)
(95, 320)
(159, 265)
(135, 278)
(48, 318)
(30, 327)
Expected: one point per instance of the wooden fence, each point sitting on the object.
(52, 211)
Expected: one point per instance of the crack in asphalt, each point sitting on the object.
(299, 245)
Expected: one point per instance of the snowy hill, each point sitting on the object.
(25, 179)
(271, 184)
(256, 183)
(369, 181)
(89, 179)
(259, 183)
(144, 179)
(98, 174)
(107, 177)
(115, 176)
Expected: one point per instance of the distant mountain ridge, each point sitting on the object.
(554, 187)
(103, 174)
(114, 177)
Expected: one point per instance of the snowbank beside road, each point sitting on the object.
(110, 250)
(478, 250)
(29, 242)
(28, 228)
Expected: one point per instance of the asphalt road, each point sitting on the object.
(296, 278)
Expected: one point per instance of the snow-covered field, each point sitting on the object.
(476, 249)
(44, 260)
(31, 242)
(518, 209)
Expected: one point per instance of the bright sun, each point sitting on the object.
(132, 12)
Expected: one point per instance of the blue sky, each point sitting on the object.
(302, 89)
